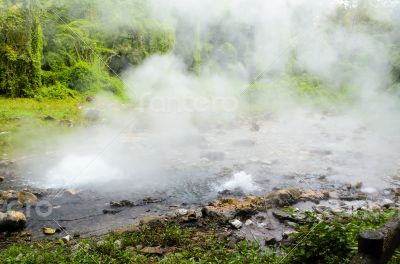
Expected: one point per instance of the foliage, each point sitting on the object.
(334, 241)
(327, 241)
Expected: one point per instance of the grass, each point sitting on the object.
(25, 122)
(329, 241)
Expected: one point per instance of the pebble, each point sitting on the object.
(236, 223)
(248, 222)
(66, 239)
(49, 231)
(181, 212)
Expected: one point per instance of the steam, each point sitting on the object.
(180, 115)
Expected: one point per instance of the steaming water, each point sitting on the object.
(300, 148)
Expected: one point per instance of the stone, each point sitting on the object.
(181, 212)
(314, 196)
(283, 197)
(48, 118)
(66, 239)
(25, 198)
(283, 217)
(248, 222)
(49, 231)
(12, 221)
(236, 223)
(153, 250)
(358, 185)
(387, 203)
(8, 195)
(69, 192)
(270, 240)
(123, 203)
(111, 211)
(1, 178)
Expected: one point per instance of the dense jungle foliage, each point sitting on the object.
(55, 50)
(48, 50)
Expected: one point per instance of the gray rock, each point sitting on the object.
(386, 203)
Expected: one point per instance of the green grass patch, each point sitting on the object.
(25, 124)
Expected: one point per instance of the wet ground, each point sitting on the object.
(160, 174)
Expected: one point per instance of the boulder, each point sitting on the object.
(12, 221)
(25, 198)
(283, 197)
(1, 178)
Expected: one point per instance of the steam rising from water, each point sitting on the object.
(189, 127)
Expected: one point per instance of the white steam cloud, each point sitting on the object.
(187, 126)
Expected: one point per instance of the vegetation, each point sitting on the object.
(327, 241)
(24, 120)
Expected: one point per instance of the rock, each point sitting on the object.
(314, 196)
(1, 178)
(153, 250)
(12, 221)
(191, 216)
(352, 197)
(123, 203)
(66, 239)
(69, 192)
(358, 185)
(248, 222)
(181, 212)
(283, 197)
(387, 203)
(111, 211)
(270, 240)
(245, 213)
(25, 198)
(48, 118)
(236, 223)
(49, 231)
(283, 217)
(8, 195)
